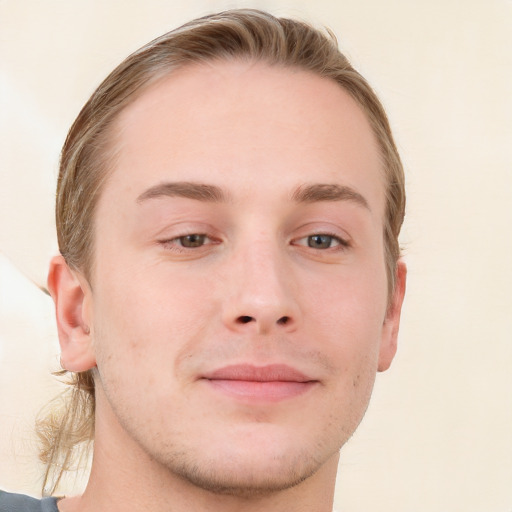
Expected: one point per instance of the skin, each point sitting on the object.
(280, 278)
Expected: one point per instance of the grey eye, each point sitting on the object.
(191, 241)
(320, 241)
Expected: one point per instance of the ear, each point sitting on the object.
(392, 321)
(73, 301)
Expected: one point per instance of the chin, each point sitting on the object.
(246, 478)
(261, 462)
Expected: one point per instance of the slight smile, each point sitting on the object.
(271, 383)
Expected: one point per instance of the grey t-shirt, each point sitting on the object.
(10, 502)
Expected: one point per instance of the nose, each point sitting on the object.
(262, 295)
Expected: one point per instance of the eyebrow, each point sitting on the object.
(328, 192)
(186, 189)
(211, 193)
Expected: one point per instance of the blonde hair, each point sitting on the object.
(87, 157)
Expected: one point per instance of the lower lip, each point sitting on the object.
(272, 391)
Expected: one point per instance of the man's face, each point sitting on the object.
(239, 295)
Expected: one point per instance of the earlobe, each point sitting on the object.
(392, 321)
(72, 297)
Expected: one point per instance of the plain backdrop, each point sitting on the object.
(438, 433)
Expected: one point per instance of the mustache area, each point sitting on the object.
(278, 359)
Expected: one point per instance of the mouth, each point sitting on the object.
(268, 383)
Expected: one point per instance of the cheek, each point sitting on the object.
(147, 318)
(350, 315)
(351, 304)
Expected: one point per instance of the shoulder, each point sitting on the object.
(10, 502)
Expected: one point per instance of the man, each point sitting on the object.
(228, 208)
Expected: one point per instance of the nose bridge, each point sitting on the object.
(265, 273)
(262, 295)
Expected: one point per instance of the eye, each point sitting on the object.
(191, 241)
(322, 241)
(184, 243)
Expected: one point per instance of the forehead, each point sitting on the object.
(244, 122)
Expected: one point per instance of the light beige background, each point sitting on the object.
(438, 434)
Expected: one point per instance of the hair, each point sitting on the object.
(88, 153)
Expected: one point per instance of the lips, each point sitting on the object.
(261, 383)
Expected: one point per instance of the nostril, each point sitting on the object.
(245, 319)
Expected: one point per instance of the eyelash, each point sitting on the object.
(176, 244)
(342, 244)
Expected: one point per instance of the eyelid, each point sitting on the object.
(343, 243)
(182, 227)
(324, 227)
(210, 240)
(169, 239)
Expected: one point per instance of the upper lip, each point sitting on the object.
(252, 373)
